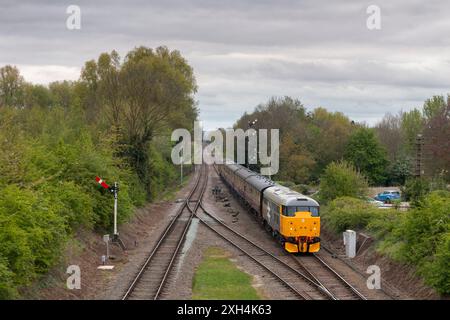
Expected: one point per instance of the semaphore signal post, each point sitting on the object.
(115, 191)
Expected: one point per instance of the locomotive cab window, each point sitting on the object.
(290, 211)
(314, 211)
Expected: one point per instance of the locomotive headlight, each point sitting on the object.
(314, 228)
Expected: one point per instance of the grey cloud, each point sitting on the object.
(245, 51)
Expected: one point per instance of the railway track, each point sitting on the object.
(330, 282)
(328, 277)
(152, 277)
(295, 281)
(302, 286)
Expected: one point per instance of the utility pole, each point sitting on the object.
(419, 156)
(181, 167)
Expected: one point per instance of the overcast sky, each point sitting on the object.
(243, 52)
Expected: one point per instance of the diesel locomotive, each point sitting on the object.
(291, 217)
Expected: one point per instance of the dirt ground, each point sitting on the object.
(141, 233)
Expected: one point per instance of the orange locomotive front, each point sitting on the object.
(293, 218)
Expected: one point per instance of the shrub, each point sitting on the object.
(346, 212)
(48, 190)
(415, 190)
(339, 180)
(31, 234)
(436, 270)
(421, 237)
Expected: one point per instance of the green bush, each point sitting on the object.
(7, 287)
(436, 269)
(31, 234)
(48, 189)
(340, 180)
(415, 189)
(420, 236)
(349, 213)
(421, 229)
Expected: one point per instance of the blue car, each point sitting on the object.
(388, 196)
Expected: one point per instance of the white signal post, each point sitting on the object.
(115, 209)
(115, 191)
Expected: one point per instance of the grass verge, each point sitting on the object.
(218, 278)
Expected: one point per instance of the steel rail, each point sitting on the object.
(161, 239)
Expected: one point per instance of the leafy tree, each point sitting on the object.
(36, 96)
(11, 87)
(141, 98)
(433, 106)
(297, 163)
(63, 94)
(437, 143)
(390, 135)
(412, 124)
(283, 113)
(366, 154)
(399, 171)
(327, 135)
(309, 140)
(341, 179)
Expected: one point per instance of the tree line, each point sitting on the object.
(114, 122)
(343, 158)
(385, 153)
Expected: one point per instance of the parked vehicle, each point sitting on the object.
(376, 203)
(388, 196)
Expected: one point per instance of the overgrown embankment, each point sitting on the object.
(419, 237)
(113, 123)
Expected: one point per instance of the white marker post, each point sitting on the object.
(350, 243)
